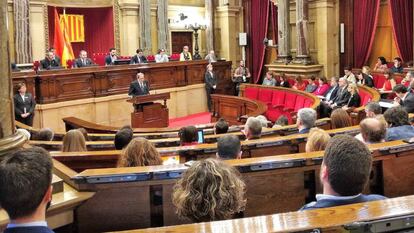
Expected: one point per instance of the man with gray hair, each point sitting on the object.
(372, 109)
(252, 128)
(340, 100)
(229, 147)
(306, 120)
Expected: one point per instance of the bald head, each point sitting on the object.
(372, 130)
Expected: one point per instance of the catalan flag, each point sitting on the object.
(75, 27)
(61, 40)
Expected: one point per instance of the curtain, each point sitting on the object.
(99, 34)
(22, 38)
(402, 21)
(273, 13)
(145, 24)
(259, 20)
(365, 24)
(162, 20)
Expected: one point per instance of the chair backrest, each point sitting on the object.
(299, 103)
(99, 58)
(278, 98)
(251, 93)
(290, 100)
(265, 95)
(379, 80)
(365, 97)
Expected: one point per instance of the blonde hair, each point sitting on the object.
(74, 141)
(209, 190)
(317, 140)
(367, 70)
(353, 87)
(139, 152)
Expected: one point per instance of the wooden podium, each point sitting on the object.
(148, 114)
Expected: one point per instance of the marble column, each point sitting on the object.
(9, 140)
(283, 33)
(209, 10)
(302, 16)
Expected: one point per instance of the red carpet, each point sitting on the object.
(194, 119)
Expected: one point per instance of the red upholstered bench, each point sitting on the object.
(99, 58)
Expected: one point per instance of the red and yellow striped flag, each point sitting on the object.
(75, 27)
(61, 41)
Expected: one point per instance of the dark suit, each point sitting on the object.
(354, 101)
(210, 80)
(135, 89)
(138, 59)
(33, 229)
(332, 93)
(285, 84)
(20, 107)
(87, 62)
(408, 103)
(368, 81)
(341, 99)
(47, 64)
(108, 60)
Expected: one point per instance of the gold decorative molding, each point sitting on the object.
(46, 24)
(117, 13)
(80, 3)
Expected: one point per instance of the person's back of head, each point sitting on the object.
(122, 138)
(317, 140)
(188, 135)
(282, 121)
(25, 183)
(221, 126)
(139, 152)
(253, 128)
(73, 141)
(209, 190)
(372, 130)
(85, 133)
(340, 119)
(45, 134)
(396, 116)
(263, 120)
(229, 147)
(372, 109)
(306, 118)
(346, 166)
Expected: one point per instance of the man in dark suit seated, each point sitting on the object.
(333, 90)
(139, 57)
(404, 98)
(111, 58)
(57, 58)
(229, 147)
(83, 60)
(306, 120)
(340, 100)
(50, 62)
(398, 123)
(345, 170)
(26, 190)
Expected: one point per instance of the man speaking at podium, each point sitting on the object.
(139, 87)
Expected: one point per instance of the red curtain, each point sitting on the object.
(259, 22)
(365, 24)
(273, 13)
(99, 29)
(402, 21)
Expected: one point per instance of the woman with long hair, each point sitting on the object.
(139, 152)
(74, 141)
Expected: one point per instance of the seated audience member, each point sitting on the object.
(340, 119)
(397, 67)
(24, 132)
(252, 128)
(372, 131)
(350, 77)
(263, 120)
(381, 65)
(340, 100)
(229, 147)
(111, 57)
(299, 84)
(84, 132)
(268, 80)
(24, 105)
(161, 56)
(45, 134)
(139, 152)
(322, 88)
(83, 60)
(333, 90)
(139, 57)
(373, 109)
(354, 100)
(209, 190)
(185, 55)
(281, 121)
(57, 58)
(409, 77)
(317, 140)
(74, 141)
(26, 189)
(211, 57)
(50, 62)
(188, 136)
(283, 82)
(389, 83)
(345, 171)
(366, 70)
(364, 79)
(122, 138)
(398, 123)
(404, 98)
(306, 120)
(221, 126)
(311, 87)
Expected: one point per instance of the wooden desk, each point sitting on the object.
(53, 86)
(328, 219)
